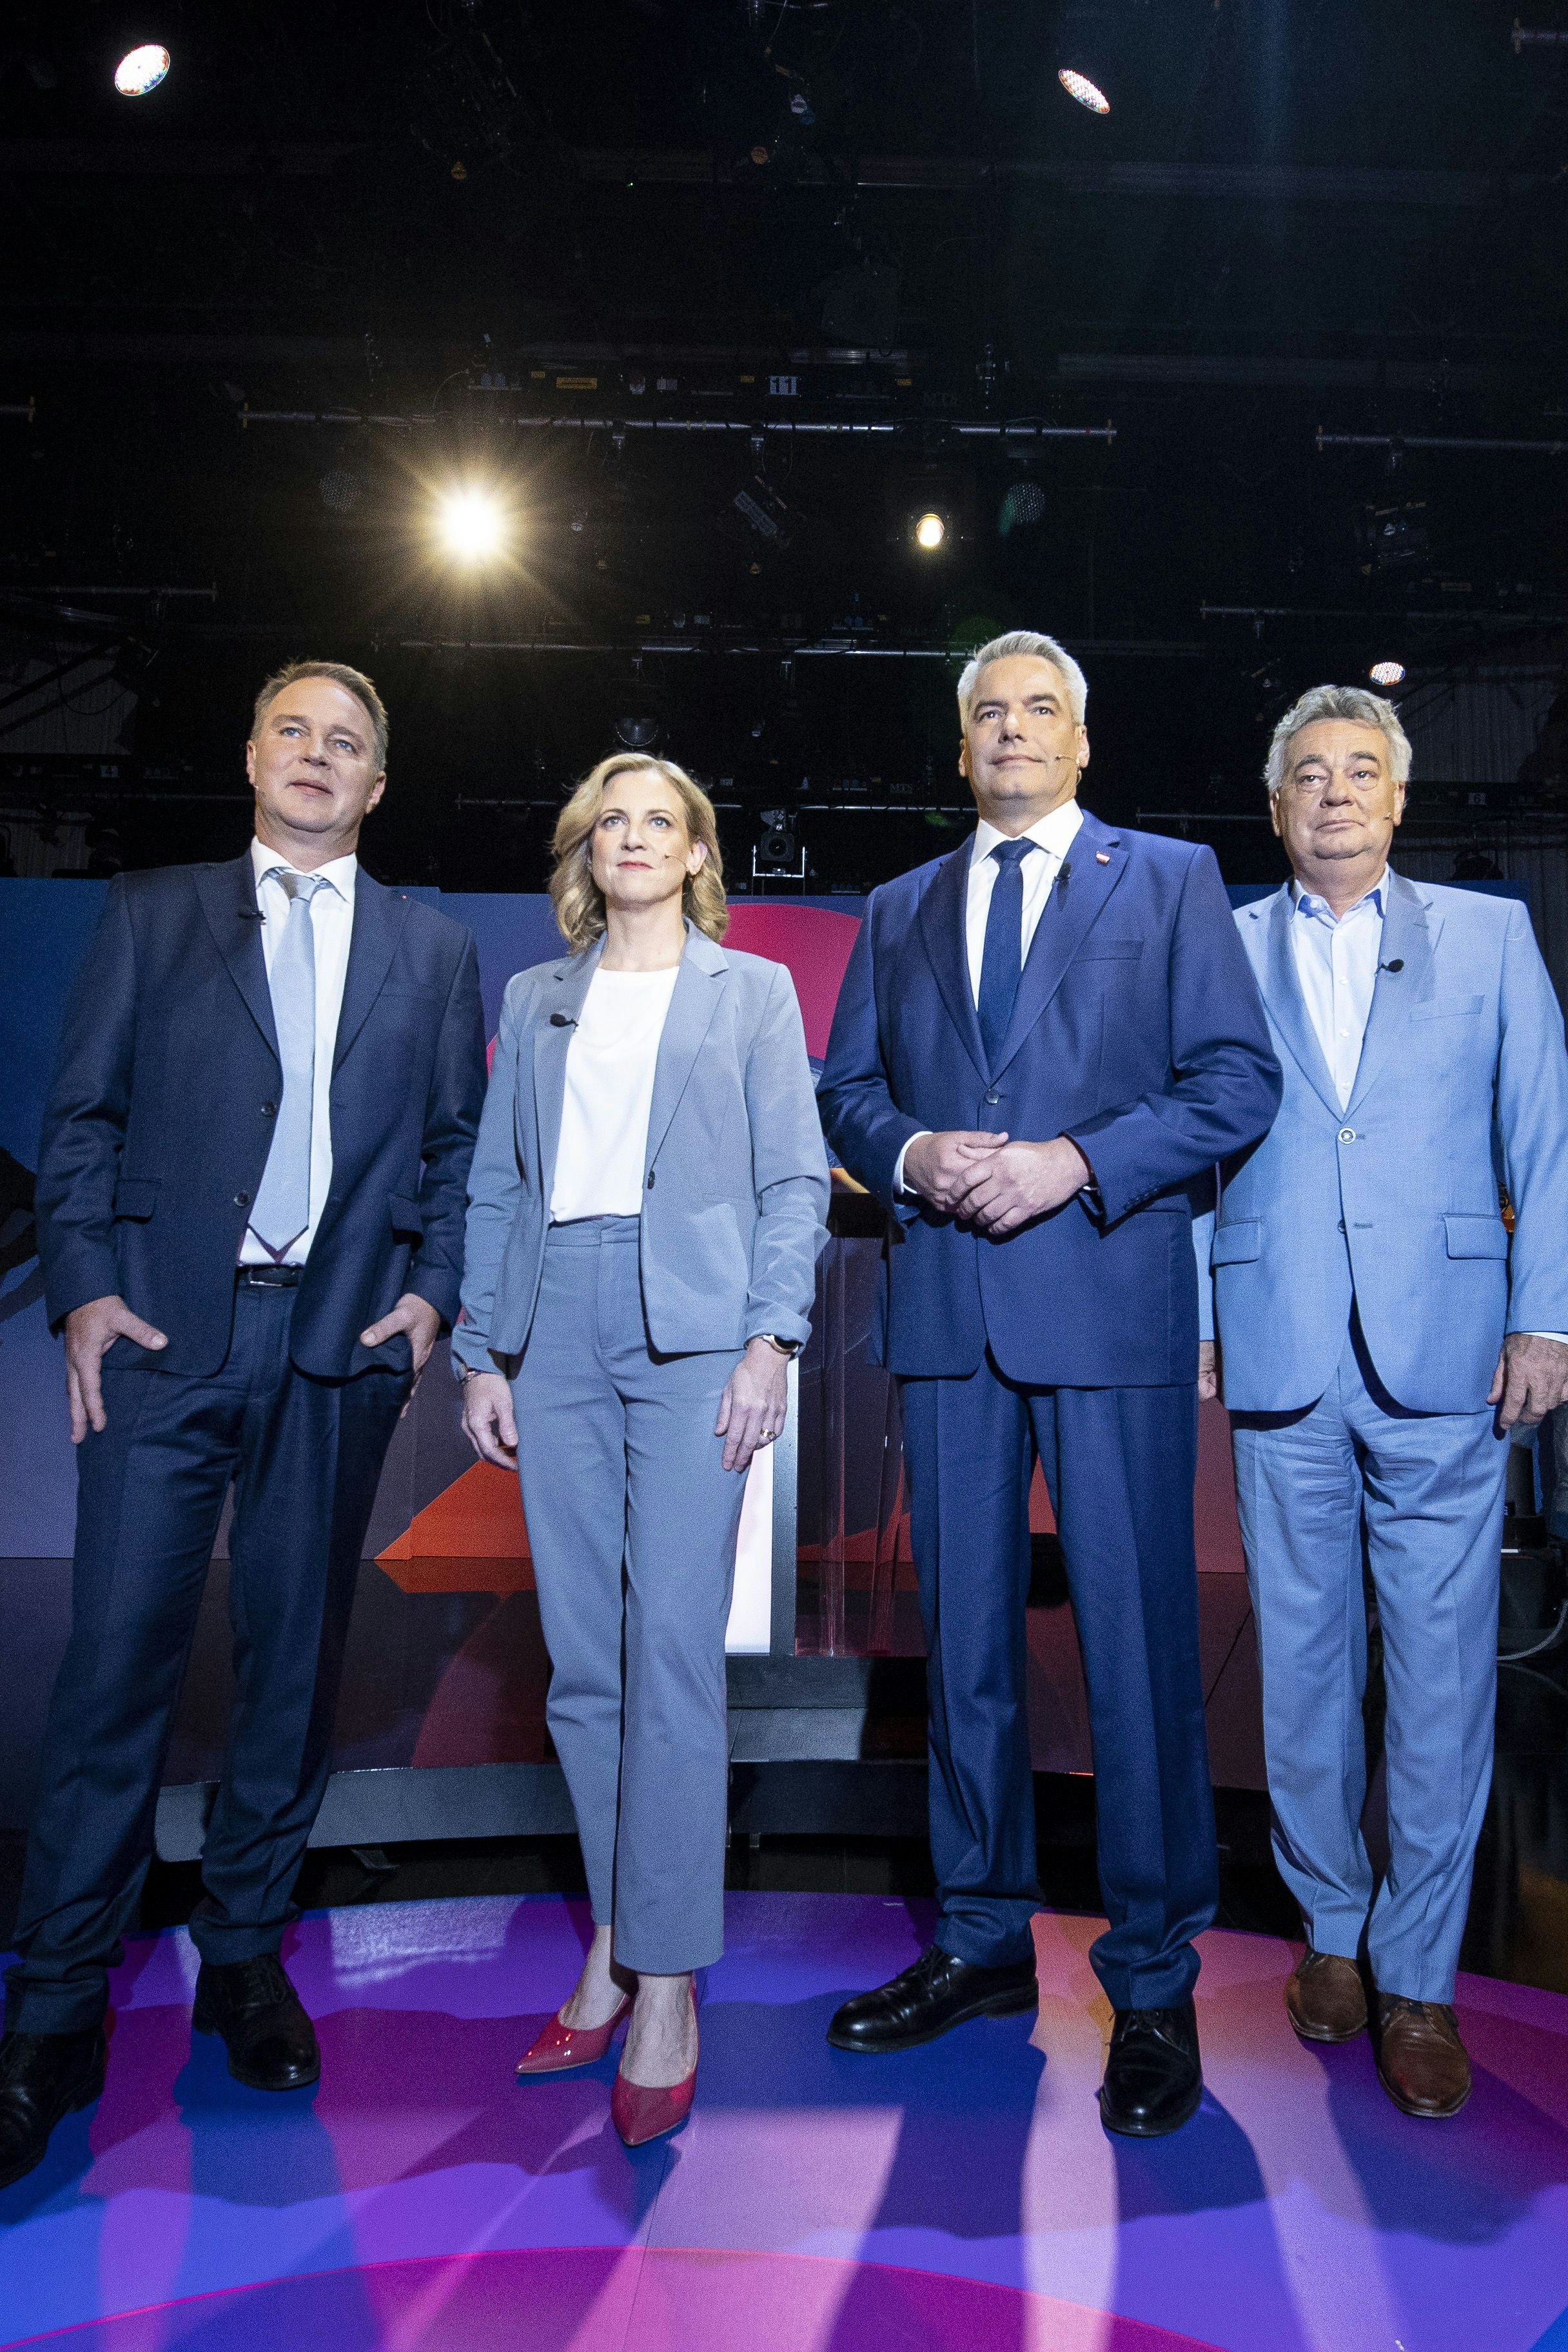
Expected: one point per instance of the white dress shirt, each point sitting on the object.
(608, 1096)
(1054, 837)
(332, 922)
(1337, 964)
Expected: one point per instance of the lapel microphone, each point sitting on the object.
(563, 1021)
(1398, 965)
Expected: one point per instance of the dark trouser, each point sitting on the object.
(1120, 1464)
(304, 1456)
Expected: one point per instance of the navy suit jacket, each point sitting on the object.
(1137, 1031)
(164, 1099)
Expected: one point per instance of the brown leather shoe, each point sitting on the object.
(1421, 2060)
(1325, 2000)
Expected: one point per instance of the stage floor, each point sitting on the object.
(964, 2195)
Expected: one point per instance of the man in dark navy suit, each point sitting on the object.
(1042, 1045)
(250, 1202)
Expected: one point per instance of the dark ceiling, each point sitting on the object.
(625, 262)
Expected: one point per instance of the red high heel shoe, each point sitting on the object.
(560, 2046)
(640, 2114)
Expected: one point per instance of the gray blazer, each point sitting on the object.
(736, 1182)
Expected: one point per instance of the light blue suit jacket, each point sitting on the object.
(735, 1175)
(1463, 1078)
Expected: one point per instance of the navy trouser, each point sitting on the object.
(1120, 1464)
(304, 1456)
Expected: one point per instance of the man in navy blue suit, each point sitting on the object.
(250, 1202)
(1043, 1044)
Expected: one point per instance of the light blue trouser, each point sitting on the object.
(632, 1519)
(1428, 1490)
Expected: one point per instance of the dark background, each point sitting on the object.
(547, 242)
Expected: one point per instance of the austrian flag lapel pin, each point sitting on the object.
(1102, 856)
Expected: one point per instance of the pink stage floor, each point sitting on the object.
(961, 2196)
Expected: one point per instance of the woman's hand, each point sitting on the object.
(755, 1401)
(489, 1419)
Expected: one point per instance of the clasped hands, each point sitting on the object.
(992, 1183)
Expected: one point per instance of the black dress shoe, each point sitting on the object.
(937, 1993)
(1154, 2076)
(43, 2076)
(271, 2041)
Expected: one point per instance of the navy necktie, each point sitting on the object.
(1002, 960)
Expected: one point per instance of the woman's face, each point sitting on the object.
(640, 850)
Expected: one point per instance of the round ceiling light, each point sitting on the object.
(1389, 672)
(1080, 86)
(930, 531)
(472, 525)
(141, 69)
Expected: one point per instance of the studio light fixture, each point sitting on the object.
(1087, 92)
(1387, 673)
(141, 69)
(471, 525)
(930, 529)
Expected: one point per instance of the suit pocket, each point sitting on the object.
(1445, 1008)
(1104, 950)
(408, 1216)
(1476, 1236)
(1238, 1245)
(136, 1196)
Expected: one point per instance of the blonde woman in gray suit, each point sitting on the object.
(646, 1209)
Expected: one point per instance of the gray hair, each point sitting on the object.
(1035, 647)
(1339, 702)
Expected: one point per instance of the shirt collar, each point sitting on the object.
(339, 871)
(1307, 902)
(1056, 833)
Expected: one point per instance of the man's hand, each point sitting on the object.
(752, 1408)
(1208, 1371)
(1020, 1181)
(91, 1331)
(1530, 1380)
(939, 1167)
(489, 1419)
(418, 1319)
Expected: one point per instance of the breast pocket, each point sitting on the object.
(1447, 1008)
(1109, 951)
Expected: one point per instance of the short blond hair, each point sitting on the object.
(578, 900)
(352, 681)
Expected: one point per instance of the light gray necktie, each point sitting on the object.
(282, 1208)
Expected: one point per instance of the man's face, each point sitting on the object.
(1339, 800)
(1022, 750)
(312, 761)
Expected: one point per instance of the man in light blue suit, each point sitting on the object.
(1378, 1336)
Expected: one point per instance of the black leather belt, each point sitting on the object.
(268, 1278)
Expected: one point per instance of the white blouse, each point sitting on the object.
(609, 1094)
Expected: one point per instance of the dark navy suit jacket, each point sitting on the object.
(1137, 1030)
(165, 1095)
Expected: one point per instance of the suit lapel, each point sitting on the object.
(227, 895)
(944, 928)
(1282, 993)
(379, 917)
(1078, 897)
(562, 995)
(699, 984)
(1410, 933)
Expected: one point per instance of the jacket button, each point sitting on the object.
(993, 1099)
(242, 1199)
(650, 1180)
(268, 1110)
(1347, 1134)
(1342, 1224)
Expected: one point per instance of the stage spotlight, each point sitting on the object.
(471, 525)
(930, 529)
(1387, 673)
(340, 490)
(141, 69)
(1024, 503)
(639, 730)
(1080, 86)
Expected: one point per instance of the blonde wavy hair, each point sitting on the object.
(580, 902)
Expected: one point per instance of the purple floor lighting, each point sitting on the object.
(963, 2196)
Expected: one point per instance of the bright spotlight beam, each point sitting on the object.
(1080, 86)
(471, 525)
(141, 69)
(929, 531)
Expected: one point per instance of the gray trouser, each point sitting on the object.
(632, 1519)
